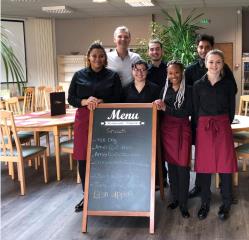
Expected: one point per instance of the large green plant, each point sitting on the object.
(178, 38)
(12, 65)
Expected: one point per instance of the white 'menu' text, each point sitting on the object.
(117, 115)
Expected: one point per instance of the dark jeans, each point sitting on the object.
(226, 188)
(179, 183)
(82, 172)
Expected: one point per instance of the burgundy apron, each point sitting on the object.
(81, 133)
(176, 140)
(214, 148)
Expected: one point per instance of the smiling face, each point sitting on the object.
(97, 59)
(155, 52)
(214, 63)
(203, 48)
(139, 73)
(174, 74)
(122, 39)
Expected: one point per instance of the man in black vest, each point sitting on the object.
(196, 71)
(157, 73)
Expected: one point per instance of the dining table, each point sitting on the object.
(43, 121)
(240, 123)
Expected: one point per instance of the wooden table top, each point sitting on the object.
(240, 123)
(43, 118)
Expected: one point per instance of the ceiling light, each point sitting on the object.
(57, 9)
(25, 1)
(140, 3)
(100, 1)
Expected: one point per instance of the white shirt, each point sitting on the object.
(122, 66)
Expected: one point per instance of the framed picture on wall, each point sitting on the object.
(14, 31)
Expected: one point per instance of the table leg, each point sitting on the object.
(57, 153)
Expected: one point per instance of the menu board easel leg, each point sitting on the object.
(152, 223)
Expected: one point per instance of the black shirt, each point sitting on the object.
(157, 75)
(149, 93)
(185, 109)
(104, 84)
(214, 100)
(197, 70)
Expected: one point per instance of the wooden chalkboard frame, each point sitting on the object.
(151, 213)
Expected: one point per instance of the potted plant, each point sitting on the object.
(12, 65)
(178, 38)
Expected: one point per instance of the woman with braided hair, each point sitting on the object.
(176, 102)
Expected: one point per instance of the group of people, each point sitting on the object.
(205, 91)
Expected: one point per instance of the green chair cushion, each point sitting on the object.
(243, 148)
(23, 137)
(67, 144)
(26, 151)
(241, 135)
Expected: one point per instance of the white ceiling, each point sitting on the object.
(87, 9)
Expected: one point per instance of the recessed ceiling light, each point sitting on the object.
(24, 1)
(100, 1)
(57, 9)
(140, 3)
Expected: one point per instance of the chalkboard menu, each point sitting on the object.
(120, 174)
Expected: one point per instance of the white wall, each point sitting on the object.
(78, 34)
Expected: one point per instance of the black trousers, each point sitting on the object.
(226, 188)
(82, 172)
(197, 181)
(164, 171)
(179, 183)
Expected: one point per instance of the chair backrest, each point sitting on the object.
(40, 100)
(2, 105)
(243, 104)
(13, 105)
(29, 100)
(46, 93)
(59, 88)
(9, 142)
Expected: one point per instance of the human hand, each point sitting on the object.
(160, 105)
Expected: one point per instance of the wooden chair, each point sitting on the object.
(242, 152)
(59, 88)
(13, 105)
(40, 101)
(243, 136)
(243, 104)
(29, 100)
(46, 95)
(15, 152)
(67, 147)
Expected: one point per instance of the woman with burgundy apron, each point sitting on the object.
(90, 86)
(176, 103)
(214, 109)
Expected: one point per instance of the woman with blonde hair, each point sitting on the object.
(214, 109)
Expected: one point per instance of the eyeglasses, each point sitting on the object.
(139, 70)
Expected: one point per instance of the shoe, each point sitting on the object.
(203, 212)
(195, 192)
(79, 206)
(223, 212)
(184, 212)
(173, 205)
